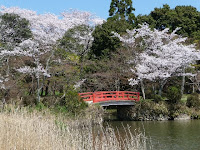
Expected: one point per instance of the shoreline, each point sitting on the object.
(152, 111)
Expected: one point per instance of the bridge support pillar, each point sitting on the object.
(126, 112)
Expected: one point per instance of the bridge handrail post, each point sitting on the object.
(138, 96)
(93, 97)
(123, 94)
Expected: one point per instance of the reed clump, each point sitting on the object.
(22, 129)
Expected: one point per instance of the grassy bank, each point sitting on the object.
(22, 129)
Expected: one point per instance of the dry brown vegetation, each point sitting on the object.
(20, 129)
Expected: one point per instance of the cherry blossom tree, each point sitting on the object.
(13, 30)
(162, 55)
(46, 30)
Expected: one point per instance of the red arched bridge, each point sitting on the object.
(108, 98)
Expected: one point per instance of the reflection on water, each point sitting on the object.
(165, 135)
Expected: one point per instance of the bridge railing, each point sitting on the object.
(87, 96)
(110, 95)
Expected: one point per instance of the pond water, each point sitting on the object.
(165, 135)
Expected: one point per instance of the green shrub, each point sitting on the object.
(149, 94)
(173, 94)
(193, 101)
(178, 109)
(150, 109)
(40, 106)
(50, 101)
(29, 100)
(161, 108)
(158, 98)
(72, 101)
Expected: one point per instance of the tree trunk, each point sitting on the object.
(8, 67)
(117, 84)
(182, 85)
(54, 88)
(3, 102)
(48, 60)
(154, 89)
(183, 82)
(193, 88)
(162, 84)
(38, 89)
(42, 91)
(142, 88)
(47, 88)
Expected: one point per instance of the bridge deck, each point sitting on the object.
(117, 103)
(107, 98)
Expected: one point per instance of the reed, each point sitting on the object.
(20, 129)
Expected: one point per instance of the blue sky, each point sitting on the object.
(98, 7)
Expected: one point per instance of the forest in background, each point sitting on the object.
(48, 59)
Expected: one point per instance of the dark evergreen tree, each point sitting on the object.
(104, 42)
(186, 17)
(122, 9)
(121, 18)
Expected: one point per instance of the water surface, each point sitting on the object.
(165, 135)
